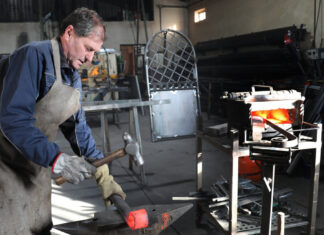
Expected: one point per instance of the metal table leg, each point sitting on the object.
(268, 178)
(115, 96)
(199, 157)
(234, 183)
(139, 93)
(314, 180)
(135, 131)
(105, 133)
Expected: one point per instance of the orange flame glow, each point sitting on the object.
(165, 220)
(94, 72)
(277, 116)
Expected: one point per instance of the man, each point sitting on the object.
(41, 92)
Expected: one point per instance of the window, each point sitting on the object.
(200, 15)
(174, 27)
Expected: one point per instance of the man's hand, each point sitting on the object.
(107, 184)
(73, 168)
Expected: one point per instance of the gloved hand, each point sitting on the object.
(73, 168)
(107, 184)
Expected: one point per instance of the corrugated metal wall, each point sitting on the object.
(19, 10)
(110, 10)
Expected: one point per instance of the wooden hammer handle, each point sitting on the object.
(112, 156)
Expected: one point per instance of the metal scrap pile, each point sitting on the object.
(249, 202)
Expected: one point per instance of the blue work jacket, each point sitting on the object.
(29, 77)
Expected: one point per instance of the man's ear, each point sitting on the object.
(68, 32)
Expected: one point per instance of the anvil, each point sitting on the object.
(111, 222)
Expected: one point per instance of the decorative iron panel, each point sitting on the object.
(170, 63)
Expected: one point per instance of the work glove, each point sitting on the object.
(107, 184)
(73, 168)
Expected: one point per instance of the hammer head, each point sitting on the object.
(132, 148)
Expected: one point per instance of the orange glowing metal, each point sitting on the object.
(137, 219)
(277, 116)
(165, 220)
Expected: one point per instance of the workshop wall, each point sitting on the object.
(235, 17)
(125, 32)
(118, 32)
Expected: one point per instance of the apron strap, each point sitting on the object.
(56, 57)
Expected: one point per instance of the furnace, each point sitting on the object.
(266, 117)
(270, 123)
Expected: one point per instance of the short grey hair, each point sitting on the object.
(84, 21)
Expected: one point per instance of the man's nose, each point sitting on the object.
(89, 56)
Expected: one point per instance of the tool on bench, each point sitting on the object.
(112, 221)
(195, 196)
(131, 148)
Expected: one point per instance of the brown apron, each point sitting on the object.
(25, 188)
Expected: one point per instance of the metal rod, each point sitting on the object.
(103, 132)
(314, 179)
(131, 132)
(97, 106)
(268, 171)
(106, 129)
(234, 183)
(199, 156)
(139, 93)
(281, 223)
(139, 141)
(144, 20)
(121, 205)
(314, 40)
(137, 22)
(160, 16)
(209, 99)
(134, 130)
(170, 6)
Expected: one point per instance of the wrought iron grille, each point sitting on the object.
(171, 62)
(171, 73)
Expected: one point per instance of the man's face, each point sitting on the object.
(79, 50)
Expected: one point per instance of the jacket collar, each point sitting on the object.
(64, 63)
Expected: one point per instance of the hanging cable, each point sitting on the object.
(318, 13)
(131, 26)
(316, 17)
(321, 27)
(108, 78)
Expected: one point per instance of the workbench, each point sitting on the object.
(134, 130)
(235, 151)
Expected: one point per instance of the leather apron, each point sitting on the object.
(25, 187)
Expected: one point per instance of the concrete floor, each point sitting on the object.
(170, 170)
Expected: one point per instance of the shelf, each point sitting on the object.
(291, 221)
(230, 146)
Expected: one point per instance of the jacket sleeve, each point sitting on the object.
(77, 131)
(21, 88)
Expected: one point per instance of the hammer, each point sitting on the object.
(131, 148)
